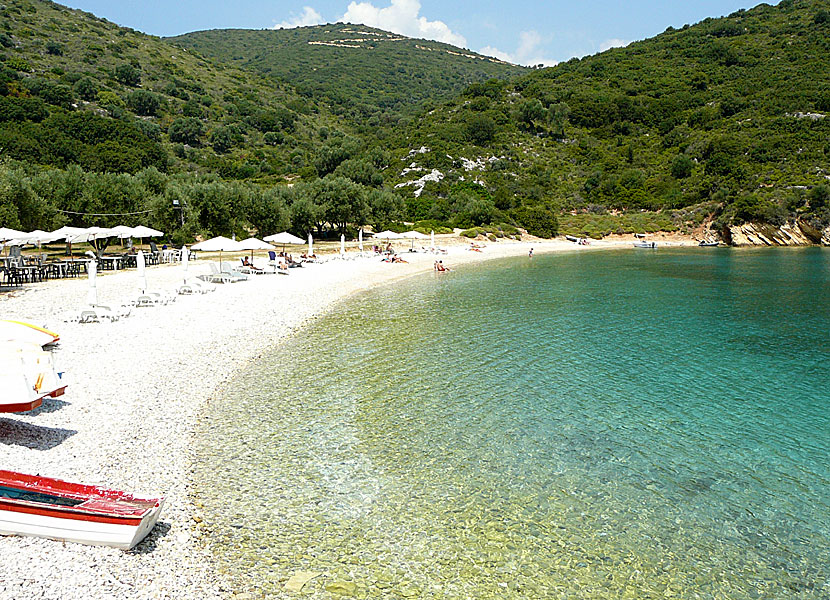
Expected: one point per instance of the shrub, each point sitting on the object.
(127, 74)
(109, 100)
(86, 88)
(681, 166)
(185, 131)
(54, 48)
(480, 129)
(539, 221)
(144, 103)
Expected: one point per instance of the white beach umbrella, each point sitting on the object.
(413, 235)
(122, 232)
(66, 233)
(185, 260)
(342, 244)
(253, 243)
(218, 244)
(36, 237)
(283, 238)
(92, 293)
(310, 245)
(10, 234)
(360, 240)
(142, 232)
(141, 271)
(90, 234)
(387, 235)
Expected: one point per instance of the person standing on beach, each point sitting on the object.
(530, 254)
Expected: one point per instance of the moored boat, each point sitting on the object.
(703, 244)
(86, 514)
(644, 244)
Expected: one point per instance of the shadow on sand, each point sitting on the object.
(35, 437)
(150, 543)
(49, 405)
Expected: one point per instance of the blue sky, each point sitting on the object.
(524, 32)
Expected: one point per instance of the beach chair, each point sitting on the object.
(233, 273)
(94, 314)
(195, 286)
(215, 275)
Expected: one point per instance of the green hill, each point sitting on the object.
(721, 122)
(724, 119)
(363, 72)
(77, 89)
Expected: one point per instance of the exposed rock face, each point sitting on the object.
(763, 234)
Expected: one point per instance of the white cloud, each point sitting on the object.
(613, 43)
(529, 51)
(402, 16)
(307, 18)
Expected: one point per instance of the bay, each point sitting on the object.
(634, 424)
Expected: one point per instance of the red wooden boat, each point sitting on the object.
(87, 514)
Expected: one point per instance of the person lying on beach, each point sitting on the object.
(249, 264)
(308, 256)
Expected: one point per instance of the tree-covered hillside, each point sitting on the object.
(76, 89)
(723, 119)
(367, 74)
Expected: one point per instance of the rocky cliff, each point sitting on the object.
(794, 233)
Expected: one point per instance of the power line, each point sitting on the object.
(72, 212)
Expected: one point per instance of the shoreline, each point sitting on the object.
(136, 387)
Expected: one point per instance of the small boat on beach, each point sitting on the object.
(644, 244)
(86, 514)
(27, 375)
(18, 331)
(703, 244)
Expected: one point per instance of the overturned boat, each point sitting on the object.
(87, 514)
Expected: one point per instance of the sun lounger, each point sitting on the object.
(217, 276)
(95, 314)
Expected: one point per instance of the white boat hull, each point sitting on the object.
(78, 531)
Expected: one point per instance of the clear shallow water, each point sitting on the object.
(634, 424)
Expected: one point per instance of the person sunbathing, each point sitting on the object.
(439, 266)
(249, 264)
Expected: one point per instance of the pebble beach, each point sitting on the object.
(135, 390)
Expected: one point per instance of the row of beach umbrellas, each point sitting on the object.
(223, 244)
(74, 235)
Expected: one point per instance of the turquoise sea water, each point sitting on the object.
(632, 424)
